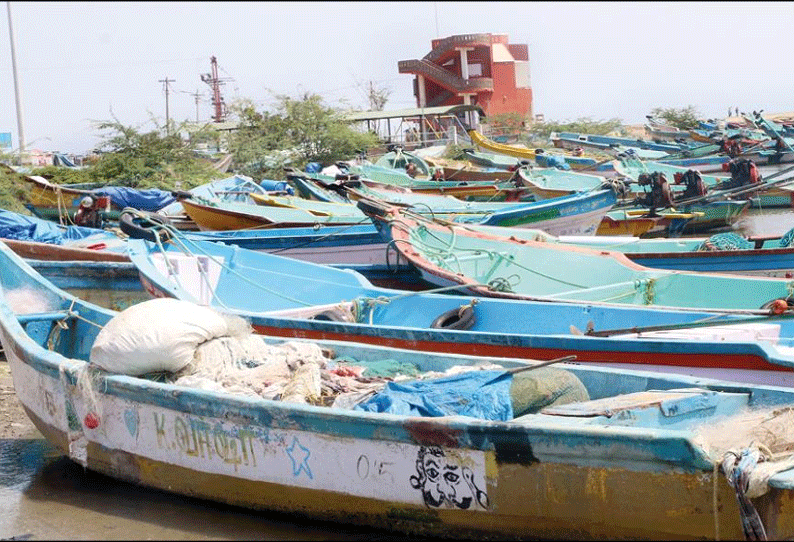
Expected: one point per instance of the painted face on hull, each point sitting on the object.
(444, 482)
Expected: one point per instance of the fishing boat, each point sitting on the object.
(601, 142)
(465, 171)
(112, 285)
(775, 191)
(290, 298)
(399, 159)
(552, 183)
(490, 159)
(217, 215)
(716, 213)
(333, 190)
(725, 252)
(578, 212)
(59, 203)
(52, 201)
(500, 266)
(574, 162)
(638, 222)
(655, 446)
(367, 172)
(40, 239)
(628, 221)
(235, 188)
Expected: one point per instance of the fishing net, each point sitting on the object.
(245, 364)
(27, 301)
(773, 428)
(725, 241)
(788, 239)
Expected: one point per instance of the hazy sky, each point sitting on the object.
(80, 62)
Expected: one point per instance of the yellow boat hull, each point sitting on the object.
(211, 219)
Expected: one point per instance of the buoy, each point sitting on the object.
(91, 420)
(779, 306)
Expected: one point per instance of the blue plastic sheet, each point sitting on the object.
(28, 228)
(152, 199)
(234, 188)
(478, 394)
(276, 186)
(549, 160)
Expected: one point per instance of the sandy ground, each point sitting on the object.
(14, 423)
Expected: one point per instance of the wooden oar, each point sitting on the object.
(673, 327)
(601, 163)
(521, 369)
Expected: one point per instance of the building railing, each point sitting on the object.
(460, 40)
(443, 77)
(418, 140)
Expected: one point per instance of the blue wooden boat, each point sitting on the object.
(290, 298)
(116, 285)
(578, 213)
(668, 147)
(497, 265)
(616, 453)
(538, 155)
(112, 285)
(725, 252)
(773, 192)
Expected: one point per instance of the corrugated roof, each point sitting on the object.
(414, 112)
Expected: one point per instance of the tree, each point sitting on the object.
(505, 123)
(299, 131)
(685, 118)
(129, 157)
(13, 189)
(583, 125)
(377, 97)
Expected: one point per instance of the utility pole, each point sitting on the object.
(167, 118)
(197, 95)
(20, 133)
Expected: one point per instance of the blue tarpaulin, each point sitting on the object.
(479, 394)
(276, 186)
(61, 160)
(550, 160)
(234, 188)
(28, 228)
(152, 199)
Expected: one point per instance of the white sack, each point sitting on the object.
(156, 335)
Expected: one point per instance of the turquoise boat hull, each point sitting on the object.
(278, 303)
(638, 448)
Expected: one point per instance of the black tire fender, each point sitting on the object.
(461, 318)
(130, 223)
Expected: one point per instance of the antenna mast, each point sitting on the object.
(215, 83)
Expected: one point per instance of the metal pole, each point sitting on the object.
(167, 117)
(17, 98)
